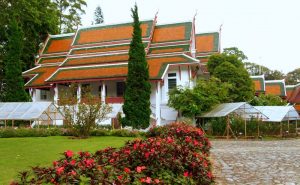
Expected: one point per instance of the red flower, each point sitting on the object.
(170, 140)
(55, 163)
(127, 170)
(186, 174)
(73, 162)
(188, 139)
(60, 170)
(120, 177)
(69, 153)
(147, 155)
(127, 152)
(139, 169)
(73, 173)
(89, 162)
(156, 181)
(148, 180)
(209, 175)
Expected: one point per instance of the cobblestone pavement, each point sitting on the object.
(256, 162)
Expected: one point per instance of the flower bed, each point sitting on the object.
(177, 155)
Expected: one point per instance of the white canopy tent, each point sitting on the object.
(242, 109)
(29, 111)
(280, 114)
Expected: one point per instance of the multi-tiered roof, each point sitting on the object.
(100, 52)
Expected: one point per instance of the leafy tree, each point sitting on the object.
(98, 15)
(138, 89)
(37, 18)
(242, 87)
(268, 100)
(255, 69)
(13, 81)
(293, 77)
(236, 52)
(69, 12)
(218, 59)
(228, 67)
(205, 95)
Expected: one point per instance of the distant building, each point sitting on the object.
(97, 56)
(291, 93)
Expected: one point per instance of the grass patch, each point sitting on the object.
(18, 154)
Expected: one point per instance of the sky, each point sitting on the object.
(267, 31)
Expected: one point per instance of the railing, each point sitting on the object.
(114, 100)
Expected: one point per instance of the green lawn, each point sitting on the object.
(18, 154)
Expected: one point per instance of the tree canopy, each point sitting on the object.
(268, 100)
(138, 88)
(98, 15)
(13, 82)
(293, 77)
(205, 94)
(229, 68)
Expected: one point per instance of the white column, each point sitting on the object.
(33, 94)
(157, 103)
(79, 93)
(103, 94)
(56, 94)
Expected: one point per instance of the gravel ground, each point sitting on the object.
(256, 162)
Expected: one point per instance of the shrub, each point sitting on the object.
(164, 159)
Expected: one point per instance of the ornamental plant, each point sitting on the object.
(164, 159)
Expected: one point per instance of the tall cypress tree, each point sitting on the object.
(13, 80)
(138, 89)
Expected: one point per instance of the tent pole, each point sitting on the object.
(227, 127)
(281, 129)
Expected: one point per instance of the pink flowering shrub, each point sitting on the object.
(164, 159)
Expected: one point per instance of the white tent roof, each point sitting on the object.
(29, 111)
(279, 113)
(241, 108)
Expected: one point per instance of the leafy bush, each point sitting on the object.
(177, 155)
(23, 132)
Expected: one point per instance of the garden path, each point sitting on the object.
(256, 162)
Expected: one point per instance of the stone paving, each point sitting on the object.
(256, 162)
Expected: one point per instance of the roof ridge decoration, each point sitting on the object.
(152, 31)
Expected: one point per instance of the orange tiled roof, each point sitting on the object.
(275, 88)
(259, 83)
(96, 60)
(207, 42)
(58, 44)
(172, 32)
(157, 66)
(51, 60)
(109, 33)
(100, 49)
(169, 49)
(40, 73)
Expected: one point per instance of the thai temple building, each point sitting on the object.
(291, 93)
(97, 57)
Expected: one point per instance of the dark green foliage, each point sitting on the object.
(235, 52)
(69, 12)
(200, 99)
(98, 15)
(242, 87)
(255, 69)
(13, 80)
(293, 77)
(268, 100)
(138, 89)
(228, 67)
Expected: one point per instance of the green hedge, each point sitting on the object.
(45, 132)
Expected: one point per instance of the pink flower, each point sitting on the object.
(170, 140)
(209, 175)
(156, 181)
(148, 180)
(139, 169)
(127, 152)
(69, 153)
(89, 162)
(127, 170)
(147, 155)
(60, 170)
(73, 173)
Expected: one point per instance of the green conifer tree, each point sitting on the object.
(13, 80)
(138, 88)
